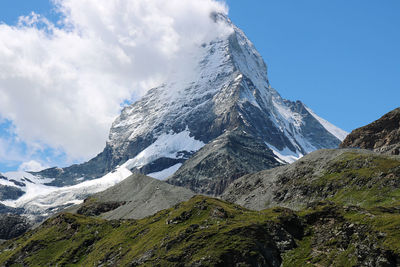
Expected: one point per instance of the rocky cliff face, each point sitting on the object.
(226, 158)
(382, 135)
(12, 226)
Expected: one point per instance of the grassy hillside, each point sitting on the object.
(209, 232)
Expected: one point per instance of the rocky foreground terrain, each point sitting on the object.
(209, 232)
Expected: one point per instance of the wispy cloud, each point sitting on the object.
(63, 86)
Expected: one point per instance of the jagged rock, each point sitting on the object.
(10, 192)
(12, 225)
(222, 161)
(382, 135)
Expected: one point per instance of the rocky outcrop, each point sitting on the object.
(219, 163)
(10, 192)
(381, 136)
(12, 226)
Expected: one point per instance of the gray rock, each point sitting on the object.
(382, 135)
(12, 226)
(226, 158)
(10, 192)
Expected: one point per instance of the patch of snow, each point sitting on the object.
(39, 198)
(168, 146)
(286, 154)
(164, 174)
(335, 131)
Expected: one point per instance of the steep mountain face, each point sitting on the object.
(9, 188)
(226, 158)
(227, 99)
(381, 136)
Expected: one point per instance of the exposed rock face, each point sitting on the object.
(10, 192)
(136, 197)
(228, 157)
(12, 226)
(381, 136)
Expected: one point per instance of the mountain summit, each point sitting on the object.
(230, 91)
(208, 129)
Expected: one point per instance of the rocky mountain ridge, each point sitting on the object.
(382, 135)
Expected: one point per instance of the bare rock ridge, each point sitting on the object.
(382, 135)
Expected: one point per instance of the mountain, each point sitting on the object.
(209, 232)
(230, 90)
(229, 156)
(382, 135)
(224, 111)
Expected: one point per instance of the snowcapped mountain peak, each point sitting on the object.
(223, 102)
(229, 88)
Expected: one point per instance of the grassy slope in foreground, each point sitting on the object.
(209, 232)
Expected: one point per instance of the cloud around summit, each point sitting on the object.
(63, 83)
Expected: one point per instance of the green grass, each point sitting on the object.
(75, 240)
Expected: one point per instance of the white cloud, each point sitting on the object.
(63, 87)
(32, 165)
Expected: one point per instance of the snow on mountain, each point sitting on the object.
(40, 199)
(228, 89)
(168, 145)
(336, 131)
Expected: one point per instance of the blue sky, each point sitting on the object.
(341, 58)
